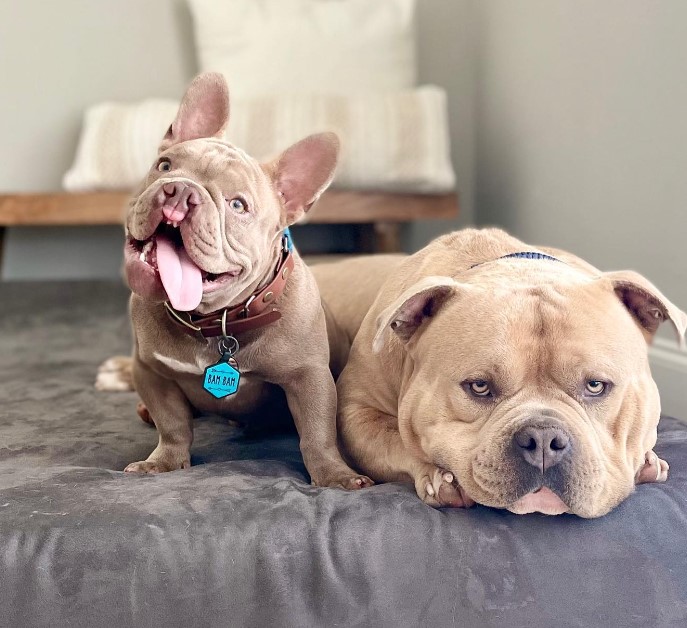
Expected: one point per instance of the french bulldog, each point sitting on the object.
(215, 281)
(516, 377)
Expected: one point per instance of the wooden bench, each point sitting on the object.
(379, 216)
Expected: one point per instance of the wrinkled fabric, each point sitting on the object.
(242, 539)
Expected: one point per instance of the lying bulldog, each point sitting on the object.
(226, 317)
(490, 371)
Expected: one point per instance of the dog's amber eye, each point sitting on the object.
(480, 388)
(596, 387)
(238, 205)
(165, 165)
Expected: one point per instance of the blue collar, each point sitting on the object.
(530, 255)
(522, 255)
(288, 240)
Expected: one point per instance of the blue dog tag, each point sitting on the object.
(222, 379)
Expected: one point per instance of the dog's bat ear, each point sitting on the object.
(417, 304)
(646, 303)
(303, 171)
(203, 112)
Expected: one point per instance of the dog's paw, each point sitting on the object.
(438, 488)
(156, 466)
(654, 470)
(351, 482)
(340, 477)
(115, 375)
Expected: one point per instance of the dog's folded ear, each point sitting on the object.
(646, 303)
(303, 171)
(203, 112)
(417, 304)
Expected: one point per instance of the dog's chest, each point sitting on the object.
(189, 375)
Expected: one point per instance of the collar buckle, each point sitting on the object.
(244, 311)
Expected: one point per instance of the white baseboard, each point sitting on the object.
(669, 368)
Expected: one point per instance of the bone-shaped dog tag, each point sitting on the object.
(222, 379)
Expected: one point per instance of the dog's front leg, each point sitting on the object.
(171, 412)
(311, 395)
(372, 440)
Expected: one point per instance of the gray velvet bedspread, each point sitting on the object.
(242, 539)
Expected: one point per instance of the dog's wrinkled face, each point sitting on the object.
(207, 213)
(547, 403)
(207, 223)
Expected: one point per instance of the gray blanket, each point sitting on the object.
(242, 539)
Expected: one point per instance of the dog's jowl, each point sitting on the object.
(226, 317)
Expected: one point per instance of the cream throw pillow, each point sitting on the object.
(396, 141)
(313, 46)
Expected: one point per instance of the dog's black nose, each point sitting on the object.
(542, 446)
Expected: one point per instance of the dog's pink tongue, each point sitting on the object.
(181, 278)
(544, 500)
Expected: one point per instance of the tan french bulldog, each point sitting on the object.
(207, 261)
(489, 371)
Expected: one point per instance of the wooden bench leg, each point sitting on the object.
(387, 237)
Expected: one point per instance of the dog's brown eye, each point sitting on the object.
(480, 388)
(237, 205)
(165, 165)
(595, 387)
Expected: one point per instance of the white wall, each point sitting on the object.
(58, 57)
(581, 142)
(446, 58)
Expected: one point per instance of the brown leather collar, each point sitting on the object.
(254, 313)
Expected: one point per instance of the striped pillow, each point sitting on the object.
(392, 141)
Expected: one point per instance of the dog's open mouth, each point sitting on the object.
(183, 280)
